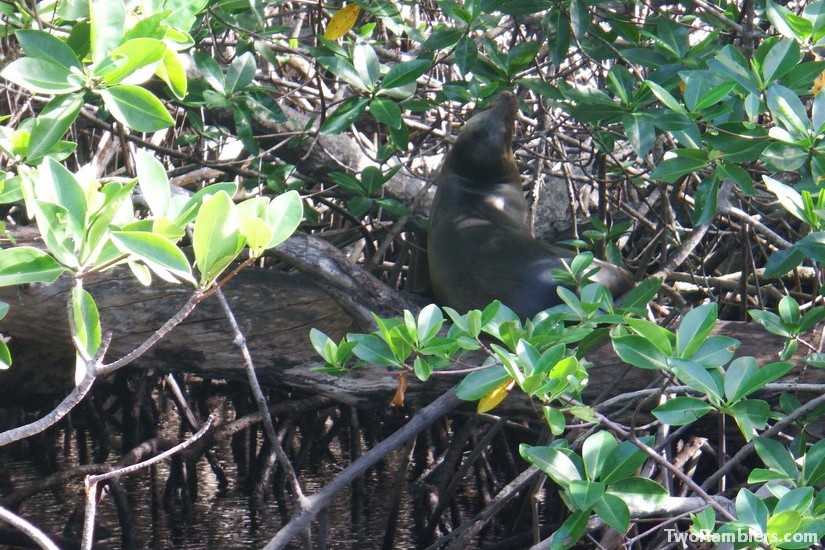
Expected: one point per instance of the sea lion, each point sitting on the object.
(480, 246)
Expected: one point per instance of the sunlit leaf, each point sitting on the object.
(342, 22)
(493, 398)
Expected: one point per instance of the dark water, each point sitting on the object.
(220, 519)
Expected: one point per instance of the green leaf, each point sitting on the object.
(173, 73)
(155, 251)
(813, 466)
(783, 261)
(373, 350)
(554, 462)
(116, 195)
(681, 410)
(39, 76)
(813, 246)
(442, 38)
(283, 215)
(54, 223)
(186, 213)
(52, 123)
(558, 32)
(154, 184)
(767, 374)
(784, 156)
(366, 64)
(133, 61)
(665, 97)
(695, 328)
(42, 45)
(183, 13)
(673, 36)
(811, 319)
(738, 378)
(343, 70)
(697, 377)
(653, 333)
(108, 19)
(703, 89)
(136, 108)
(59, 186)
(429, 322)
(751, 510)
(796, 499)
(738, 175)
(25, 264)
(5, 356)
(788, 110)
(789, 310)
(595, 452)
(784, 524)
(523, 7)
(639, 493)
(479, 383)
(85, 321)
(216, 239)
(585, 493)
(730, 62)
(345, 115)
(579, 18)
(751, 415)
(705, 200)
(622, 462)
(422, 369)
(386, 111)
(405, 73)
(782, 57)
(775, 456)
(614, 512)
(788, 197)
(640, 132)
(211, 72)
(323, 345)
(257, 234)
(639, 352)
(240, 73)
(770, 321)
(243, 127)
(638, 297)
(684, 162)
(715, 351)
(521, 55)
(466, 55)
(787, 23)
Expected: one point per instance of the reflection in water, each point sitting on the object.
(217, 518)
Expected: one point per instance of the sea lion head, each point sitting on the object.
(483, 151)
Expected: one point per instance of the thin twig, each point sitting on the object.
(92, 481)
(64, 407)
(187, 308)
(263, 407)
(746, 450)
(320, 500)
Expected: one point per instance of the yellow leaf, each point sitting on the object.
(819, 82)
(495, 396)
(342, 22)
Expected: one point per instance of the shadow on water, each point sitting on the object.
(213, 515)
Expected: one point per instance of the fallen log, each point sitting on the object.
(276, 310)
